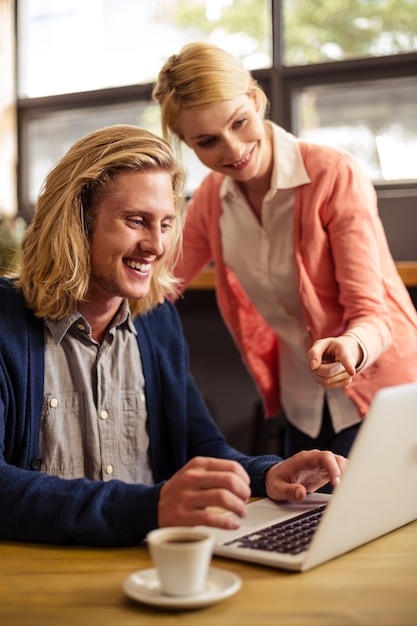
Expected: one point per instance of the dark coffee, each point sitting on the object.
(182, 540)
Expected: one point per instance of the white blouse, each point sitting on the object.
(262, 257)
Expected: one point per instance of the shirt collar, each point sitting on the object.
(289, 170)
(59, 328)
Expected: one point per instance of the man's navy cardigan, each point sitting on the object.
(35, 506)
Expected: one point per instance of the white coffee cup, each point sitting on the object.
(182, 557)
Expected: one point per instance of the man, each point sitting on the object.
(103, 433)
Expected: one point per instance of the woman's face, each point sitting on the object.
(229, 137)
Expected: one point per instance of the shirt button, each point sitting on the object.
(109, 469)
(142, 397)
(53, 403)
(104, 415)
(80, 326)
(36, 463)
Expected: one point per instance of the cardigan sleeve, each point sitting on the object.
(342, 252)
(198, 240)
(36, 507)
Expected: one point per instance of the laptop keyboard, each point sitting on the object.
(290, 536)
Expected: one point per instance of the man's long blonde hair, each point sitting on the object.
(201, 74)
(54, 270)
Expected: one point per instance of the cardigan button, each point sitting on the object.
(36, 463)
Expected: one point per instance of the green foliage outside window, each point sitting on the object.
(11, 233)
(313, 32)
(342, 29)
(249, 17)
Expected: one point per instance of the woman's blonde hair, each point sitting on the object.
(200, 75)
(55, 259)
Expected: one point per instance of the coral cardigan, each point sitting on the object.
(347, 278)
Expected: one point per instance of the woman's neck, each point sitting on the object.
(256, 189)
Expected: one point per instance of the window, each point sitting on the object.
(349, 80)
(43, 149)
(369, 120)
(340, 72)
(49, 136)
(336, 30)
(99, 44)
(106, 56)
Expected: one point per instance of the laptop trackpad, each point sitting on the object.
(266, 510)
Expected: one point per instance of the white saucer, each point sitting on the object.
(144, 586)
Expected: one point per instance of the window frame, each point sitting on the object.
(280, 82)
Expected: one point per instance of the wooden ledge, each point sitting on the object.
(408, 272)
(406, 269)
(204, 280)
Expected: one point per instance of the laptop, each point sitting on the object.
(377, 494)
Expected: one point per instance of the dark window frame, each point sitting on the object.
(280, 83)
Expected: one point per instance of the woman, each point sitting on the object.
(305, 280)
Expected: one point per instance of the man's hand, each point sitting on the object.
(333, 360)
(303, 473)
(201, 491)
